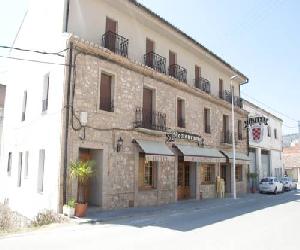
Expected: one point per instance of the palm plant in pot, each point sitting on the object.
(82, 171)
(253, 177)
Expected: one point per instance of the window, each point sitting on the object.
(40, 182)
(45, 92)
(275, 133)
(19, 182)
(221, 88)
(240, 130)
(148, 119)
(238, 173)
(26, 164)
(269, 131)
(207, 120)
(24, 105)
(197, 76)
(147, 173)
(9, 163)
(180, 113)
(208, 174)
(106, 102)
(225, 132)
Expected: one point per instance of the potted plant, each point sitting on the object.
(69, 208)
(253, 177)
(82, 171)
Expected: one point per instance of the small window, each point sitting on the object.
(9, 163)
(40, 182)
(180, 113)
(240, 130)
(275, 133)
(19, 182)
(26, 164)
(106, 100)
(221, 94)
(45, 92)
(208, 174)
(269, 131)
(147, 173)
(207, 120)
(24, 105)
(238, 173)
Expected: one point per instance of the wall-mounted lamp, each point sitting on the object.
(119, 144)
(83, 122)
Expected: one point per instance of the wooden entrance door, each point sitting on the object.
(147, 108)
(183, 180)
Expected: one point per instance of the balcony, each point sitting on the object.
(155, 62)
(150, 120)
(178, 72)
(203, 84)
(226, 95)
(115, 43)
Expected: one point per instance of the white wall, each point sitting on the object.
(88, 18)
(42, 30)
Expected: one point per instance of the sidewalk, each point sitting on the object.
(96, 215)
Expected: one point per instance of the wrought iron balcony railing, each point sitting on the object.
(155, 61)
(226, 95)
(178, 72)
(115, 43)
(203, 84)
(150, 120)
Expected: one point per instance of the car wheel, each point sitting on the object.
(275, 191)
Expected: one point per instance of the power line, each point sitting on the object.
(32, 60)
(35, 51)
(290, 118)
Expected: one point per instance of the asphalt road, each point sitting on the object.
(252, 222)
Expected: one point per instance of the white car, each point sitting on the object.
(287, 183)
(270, 185)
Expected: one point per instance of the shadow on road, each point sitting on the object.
(189, 215)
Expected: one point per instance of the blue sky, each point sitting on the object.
(259, 38)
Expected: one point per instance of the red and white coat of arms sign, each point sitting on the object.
(256, 132)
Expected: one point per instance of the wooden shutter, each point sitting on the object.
(111, 25)
(105, 92)
(179, 113)
(147, 107)
(40, 183)
(172, 58)
(197, 72)
(220, 88)
(141, 174)
(19, 182)
(149, 45)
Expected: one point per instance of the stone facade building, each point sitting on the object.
(150, 105)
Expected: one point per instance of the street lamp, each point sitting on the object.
(233, 138)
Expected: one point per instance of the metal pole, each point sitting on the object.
(233, 140)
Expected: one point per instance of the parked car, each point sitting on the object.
(270, 185)
(288, 183)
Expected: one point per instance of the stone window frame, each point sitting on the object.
(114, 76)
(154, 175)
(208, 177)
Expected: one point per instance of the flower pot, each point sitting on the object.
(69, 211)
(80, 209)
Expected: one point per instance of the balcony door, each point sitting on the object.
(111, 31)
(147, 108)
(172, 61)
(149, 49)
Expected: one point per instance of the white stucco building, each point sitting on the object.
(265, 144)
(136, 51)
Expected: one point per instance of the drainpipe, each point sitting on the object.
(65, 166)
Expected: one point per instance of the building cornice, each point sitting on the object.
(90, 48)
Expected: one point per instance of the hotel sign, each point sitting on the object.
(173, 135)
(256, 127)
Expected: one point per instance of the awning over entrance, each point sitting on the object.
(198, 154)
(240, 157)
(156, 151)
